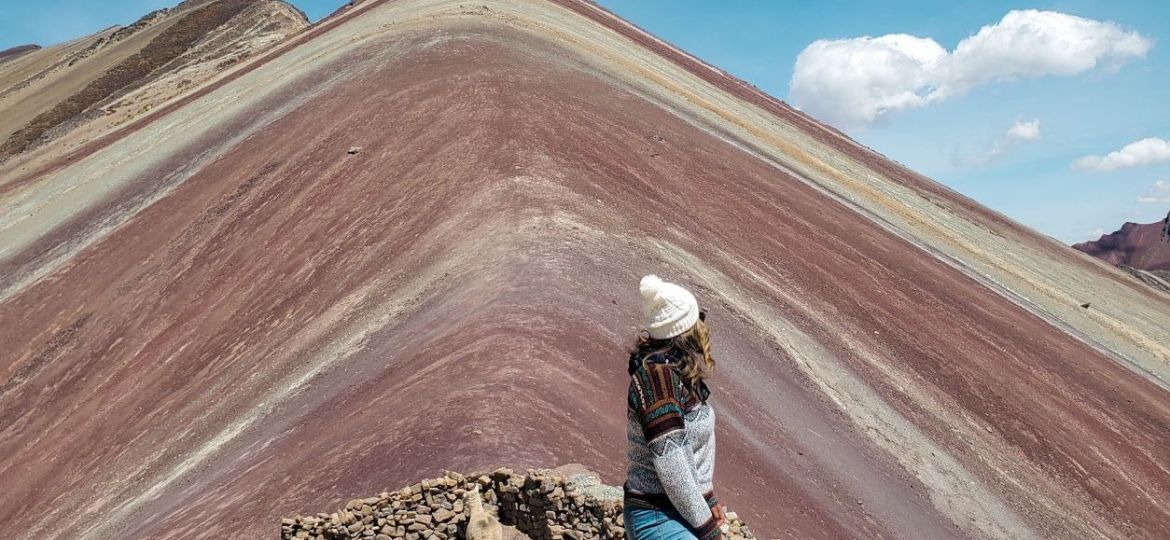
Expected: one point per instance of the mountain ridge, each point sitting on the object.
(1136, 245)
(131, 73)
(235, 316)
(13, 52)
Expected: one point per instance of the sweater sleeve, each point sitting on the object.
(655, 394)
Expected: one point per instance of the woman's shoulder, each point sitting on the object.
(654, 362)
(659, 372)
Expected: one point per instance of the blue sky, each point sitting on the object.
(1002, 125)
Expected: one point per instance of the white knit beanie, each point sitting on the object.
(668, 309)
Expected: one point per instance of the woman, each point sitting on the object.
(670, 426)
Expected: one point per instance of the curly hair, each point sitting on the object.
(691, 348)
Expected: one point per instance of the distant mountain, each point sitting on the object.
(1136, 245)
(109, 78)
(13, 52)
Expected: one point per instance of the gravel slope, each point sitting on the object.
(221, 317)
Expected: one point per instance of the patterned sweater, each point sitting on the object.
(671, 444)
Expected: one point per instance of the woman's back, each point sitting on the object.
(670, 433)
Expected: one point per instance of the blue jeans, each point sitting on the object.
(649, 524)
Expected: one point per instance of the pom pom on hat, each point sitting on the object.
(668, 309)
(649, 287)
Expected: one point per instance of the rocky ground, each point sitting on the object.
(567, 503)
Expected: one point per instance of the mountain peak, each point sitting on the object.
(13, 52)
(1136, 245)
(409, 239)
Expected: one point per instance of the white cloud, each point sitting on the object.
(1024, 131)
(1143, 152)
(1020, 132)
(1159, 193)
(1097, 233)
(1032, 43)
(858, 81)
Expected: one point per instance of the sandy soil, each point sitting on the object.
(221, 317)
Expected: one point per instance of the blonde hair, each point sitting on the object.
(692, 348)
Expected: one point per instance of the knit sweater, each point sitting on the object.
(670, 443)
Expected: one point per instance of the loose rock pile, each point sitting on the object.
(560, 504)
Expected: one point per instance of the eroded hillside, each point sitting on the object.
(101, 81)
(218, 315)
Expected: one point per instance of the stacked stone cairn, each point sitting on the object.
(568, 503)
